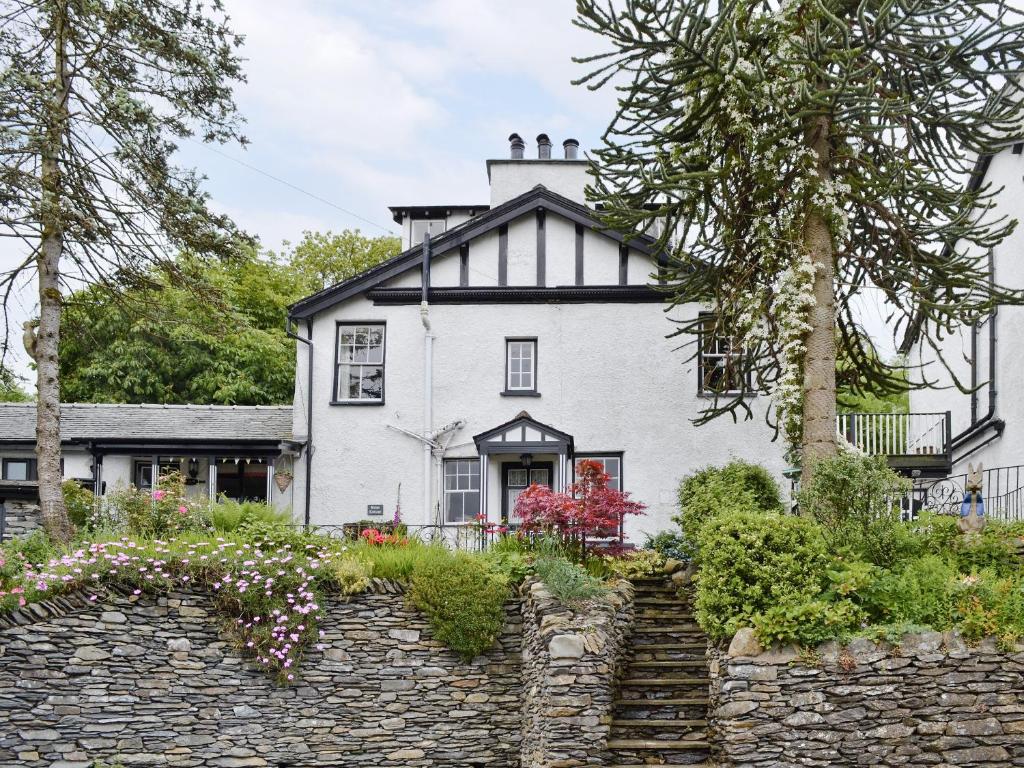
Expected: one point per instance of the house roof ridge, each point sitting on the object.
(409, 258)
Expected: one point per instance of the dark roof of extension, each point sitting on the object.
(84, 422)
(538, 197)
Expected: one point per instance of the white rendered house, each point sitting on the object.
(987, 424)
(519, 339)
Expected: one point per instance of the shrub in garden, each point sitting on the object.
(227, 514)
(753, 561)
(567, 581)
(636, 564)
(856, 500)
(668, 544)
(463, 598)
(80, 503)
(588, 510)
(739, 486)
(351, 575)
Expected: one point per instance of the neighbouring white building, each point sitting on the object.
(220, 451)
(986, 425)
(526, 339)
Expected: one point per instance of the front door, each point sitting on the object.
(515, 478)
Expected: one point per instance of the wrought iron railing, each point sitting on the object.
(897, 434)
(1002, 489)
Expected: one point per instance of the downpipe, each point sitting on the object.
(986, 421)
(308, 341)
(428, 410)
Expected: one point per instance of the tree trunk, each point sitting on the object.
(819, 395)
(51, 248)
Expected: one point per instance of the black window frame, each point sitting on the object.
(579, 456)
(31, 468)
(445, 490)
(383, 362)
(705, 319)
(162, 464)
(532, 392)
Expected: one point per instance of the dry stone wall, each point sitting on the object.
(571, 659)
(21, 518)
(930, 701)
(151, 681)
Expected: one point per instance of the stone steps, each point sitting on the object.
(686, 701)
(658, 745)
(660, 715)
(654, 629)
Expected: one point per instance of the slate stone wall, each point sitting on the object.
(20, 519)
(930, 700)
(571, 659)
(151, 681)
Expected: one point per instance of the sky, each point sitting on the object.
(364, 105)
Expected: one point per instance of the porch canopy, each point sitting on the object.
(525, 435)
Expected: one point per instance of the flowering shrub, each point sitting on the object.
(379, 538)
(590, 509)
(269, 594)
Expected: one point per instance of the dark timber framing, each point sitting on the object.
(579, 254)
(452, 239)
(508, 294)
(503, 254)
(464, 265)
(541, 249)
(623, 264)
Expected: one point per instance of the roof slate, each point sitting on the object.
(103, 421)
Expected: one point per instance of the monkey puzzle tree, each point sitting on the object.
(94, 95)
(794, 154)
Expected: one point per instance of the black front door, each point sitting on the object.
(515, 478)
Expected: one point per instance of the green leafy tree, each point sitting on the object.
(94, 96)
(324, 259)
(11, 387)
(217, 337)
(794, 153)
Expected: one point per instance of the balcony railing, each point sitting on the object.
(1002, 488)
(914, 442)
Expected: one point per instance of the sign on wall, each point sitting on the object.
(374, 510)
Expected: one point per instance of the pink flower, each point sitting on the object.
(159, 494)
(183, 510)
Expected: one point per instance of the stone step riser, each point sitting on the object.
(653, 712)
(639, 655)
(661, 734)
(661, 757)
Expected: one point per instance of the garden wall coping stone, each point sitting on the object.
(928, 699)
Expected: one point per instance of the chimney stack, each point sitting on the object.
(517, 145)
(543, 147)
(571, 147)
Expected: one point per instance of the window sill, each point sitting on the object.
(516, 393)
(356, 402)
(730, 394)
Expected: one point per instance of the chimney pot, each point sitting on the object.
(517, 145)
(543, 147)
(571, 147)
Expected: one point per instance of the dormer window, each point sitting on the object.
(421, 226)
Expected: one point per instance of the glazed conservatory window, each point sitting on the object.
(360, 364)
(461, 490)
